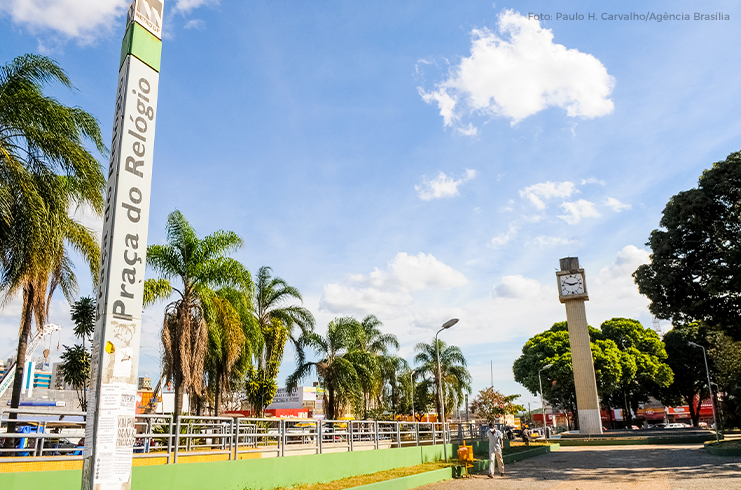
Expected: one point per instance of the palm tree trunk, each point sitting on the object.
(331, 412)
(179, 389)
(217, 395)
(15, 398)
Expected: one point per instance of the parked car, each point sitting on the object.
(675, 425)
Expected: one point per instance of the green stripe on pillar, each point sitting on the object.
(141, 43)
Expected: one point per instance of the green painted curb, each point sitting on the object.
(253, 474)
(144, 45)
(412, 481)
(637, 441)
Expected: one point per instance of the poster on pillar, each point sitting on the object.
(109, 436)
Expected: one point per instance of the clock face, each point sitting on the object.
(572, 284)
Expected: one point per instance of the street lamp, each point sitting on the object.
(710, 388)
(411, 378)
(445, 326)
(542, 407)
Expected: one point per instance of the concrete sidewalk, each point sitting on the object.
(660, 467)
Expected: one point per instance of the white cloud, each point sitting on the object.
(614, 287)
(343, 299)
(82, 19)
(500, 240)
(414, 273)
(469, 130)
(389, 289)
(517, 287)
(195, 24)
(442, 186)
(547, 190)
(186, 6)
(553, 241)
(592, 180)
(578, 210)
(520, 71)
(616, 205)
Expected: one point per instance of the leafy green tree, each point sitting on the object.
(642, 360)
(725, 355)
(456, 380)
(490, 404)
(199, 266)
(337, 367)
(694, 273)
(687, 363)
(45, 170)
(553, 347)
(278, 320)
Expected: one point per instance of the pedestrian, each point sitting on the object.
(495, 450)
(525, 433)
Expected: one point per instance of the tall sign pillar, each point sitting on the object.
(572, 291)
(110, 431)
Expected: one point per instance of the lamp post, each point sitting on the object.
(542, 407)
(411, 379)
(710, 388)
(445, 326)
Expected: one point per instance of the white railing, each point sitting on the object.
(60, 436)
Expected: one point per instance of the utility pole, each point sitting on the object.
(110, 431)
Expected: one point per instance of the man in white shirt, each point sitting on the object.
(495, 450)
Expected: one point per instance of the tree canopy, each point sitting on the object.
(489, 405)
(695, 271)
(45, 170)
(628, 364)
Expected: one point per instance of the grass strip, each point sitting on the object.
(358, 480)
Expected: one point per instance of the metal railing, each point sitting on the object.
(58, 435)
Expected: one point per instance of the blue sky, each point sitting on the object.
(416, 160)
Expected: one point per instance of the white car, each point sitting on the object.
(675, 426)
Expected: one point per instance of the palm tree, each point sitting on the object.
(278, 321)
(392, 369)
(76, 359)
(45, 169)
(337, 369)
(455, 377)
(226, 344)
(372, 340)
(199, 266)
(230, 352)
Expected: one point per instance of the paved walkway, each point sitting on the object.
(680, 467)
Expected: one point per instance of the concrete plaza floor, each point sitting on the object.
(661, 467)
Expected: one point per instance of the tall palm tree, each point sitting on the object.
(279, 320)
(226, 344)
(200, 266)
(230, 353)
(394, 373)
(373, 341)
(455, 377)
(45, 170)
(336, 368)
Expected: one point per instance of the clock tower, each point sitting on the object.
(572, 291)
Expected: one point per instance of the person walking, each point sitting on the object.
(495, 450)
